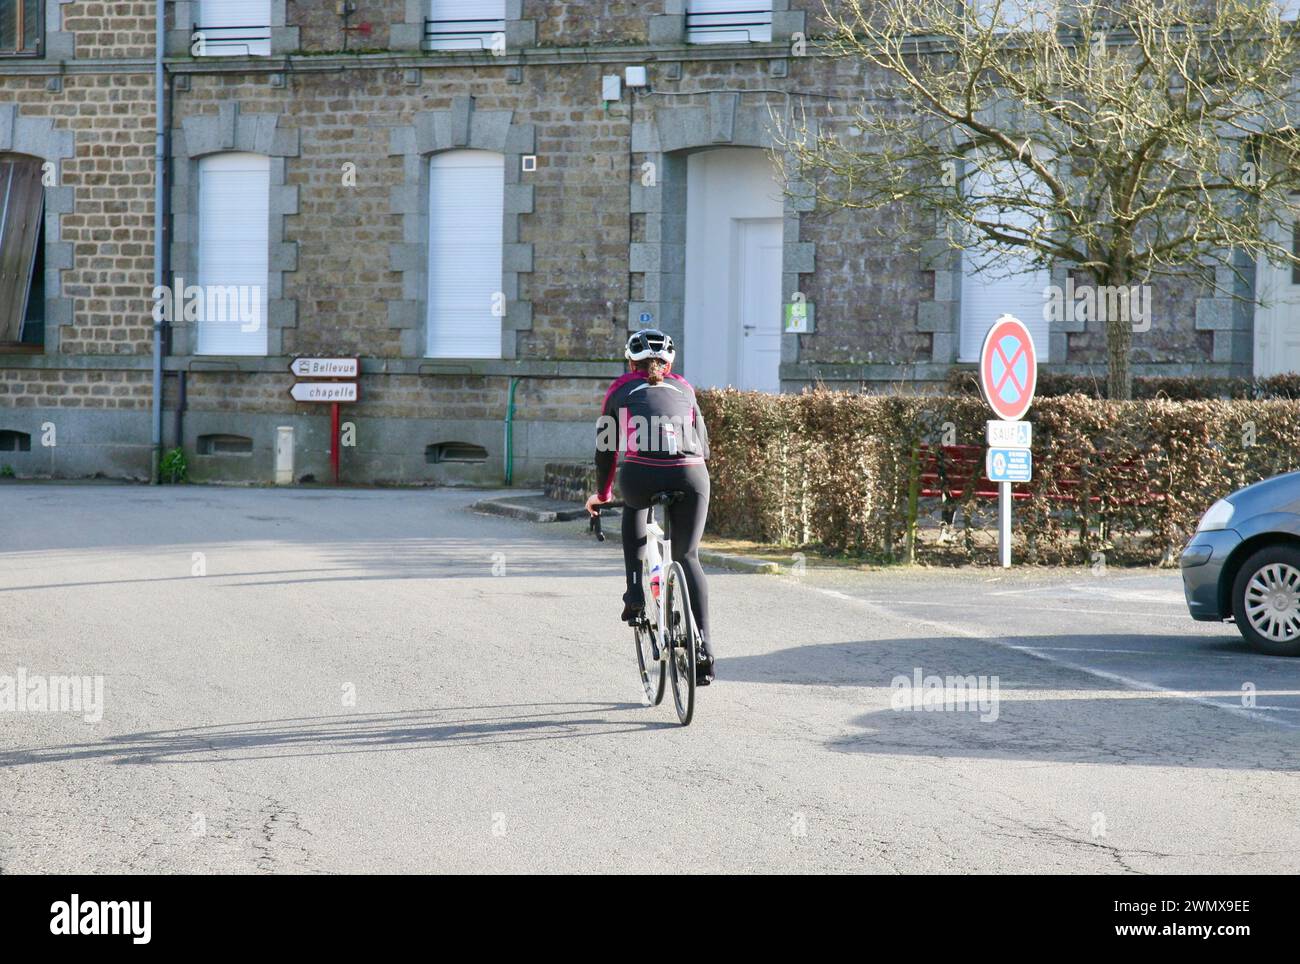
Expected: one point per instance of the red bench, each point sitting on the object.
(948, 471)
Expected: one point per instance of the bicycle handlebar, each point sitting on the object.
(594, 525)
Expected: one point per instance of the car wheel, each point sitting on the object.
(1266, 600)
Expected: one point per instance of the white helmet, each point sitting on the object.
(650, 343)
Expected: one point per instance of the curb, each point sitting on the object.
(726, 560)
(514, 511)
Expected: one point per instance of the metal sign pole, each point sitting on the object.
(334, 440)
(1004, 524)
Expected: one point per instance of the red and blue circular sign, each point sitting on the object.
(1008, 368)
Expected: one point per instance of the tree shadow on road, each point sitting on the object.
(351, 733)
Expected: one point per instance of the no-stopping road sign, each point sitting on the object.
(1008, 368)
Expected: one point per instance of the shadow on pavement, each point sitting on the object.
(358, 733)
(1049, 712)
(875, 662)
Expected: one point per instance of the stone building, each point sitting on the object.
(477, 198)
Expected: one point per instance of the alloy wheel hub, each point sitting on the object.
(1273, 602)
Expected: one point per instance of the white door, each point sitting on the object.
(1277, 315)
(756, 277)
(733, 270)
(995, 283)
(234, 253)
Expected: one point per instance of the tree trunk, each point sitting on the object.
(1119, 340)
(1119, 346)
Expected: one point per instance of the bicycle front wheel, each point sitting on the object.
(682, 639)
(649, 647)
(648, 664)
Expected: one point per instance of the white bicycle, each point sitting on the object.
(666, 632)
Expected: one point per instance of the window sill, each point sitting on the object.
(19, 348)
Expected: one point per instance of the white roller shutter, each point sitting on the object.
(466, 197)
(464, 24)
(236, 28)
(1009, 283)
(234, 249)
(728, 21)
(1016, 14)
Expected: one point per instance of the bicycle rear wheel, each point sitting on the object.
(682, 640)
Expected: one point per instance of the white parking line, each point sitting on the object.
(1133, 652)
(1046, 609)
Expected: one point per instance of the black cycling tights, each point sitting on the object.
(638, 483)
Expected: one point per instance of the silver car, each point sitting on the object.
(1243, 563)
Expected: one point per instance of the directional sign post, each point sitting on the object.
(1008, 376)
(334, 393)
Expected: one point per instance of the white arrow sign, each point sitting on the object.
(324, 392)
(326, 367)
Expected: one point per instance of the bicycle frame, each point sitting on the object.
(657, 549)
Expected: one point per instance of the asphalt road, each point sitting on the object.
(338, 680)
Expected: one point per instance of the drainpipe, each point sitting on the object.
(181, 393)
(510, 433)
(160, 162)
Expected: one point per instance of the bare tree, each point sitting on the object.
(1127, 140)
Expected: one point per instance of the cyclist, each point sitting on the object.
(652, 428)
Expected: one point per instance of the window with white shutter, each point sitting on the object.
(728, 21)
(233, 257)
(233, 28)
(1011, 15)
(463, 24)
(1000, 280)
(466, 214)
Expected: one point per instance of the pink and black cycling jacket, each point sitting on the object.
(648, 424)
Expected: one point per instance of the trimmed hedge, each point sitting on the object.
(965, 381)
(839, 470)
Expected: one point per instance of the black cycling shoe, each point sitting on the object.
(703, 668)
(631, 612)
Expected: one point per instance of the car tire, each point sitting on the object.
(1270, 618)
